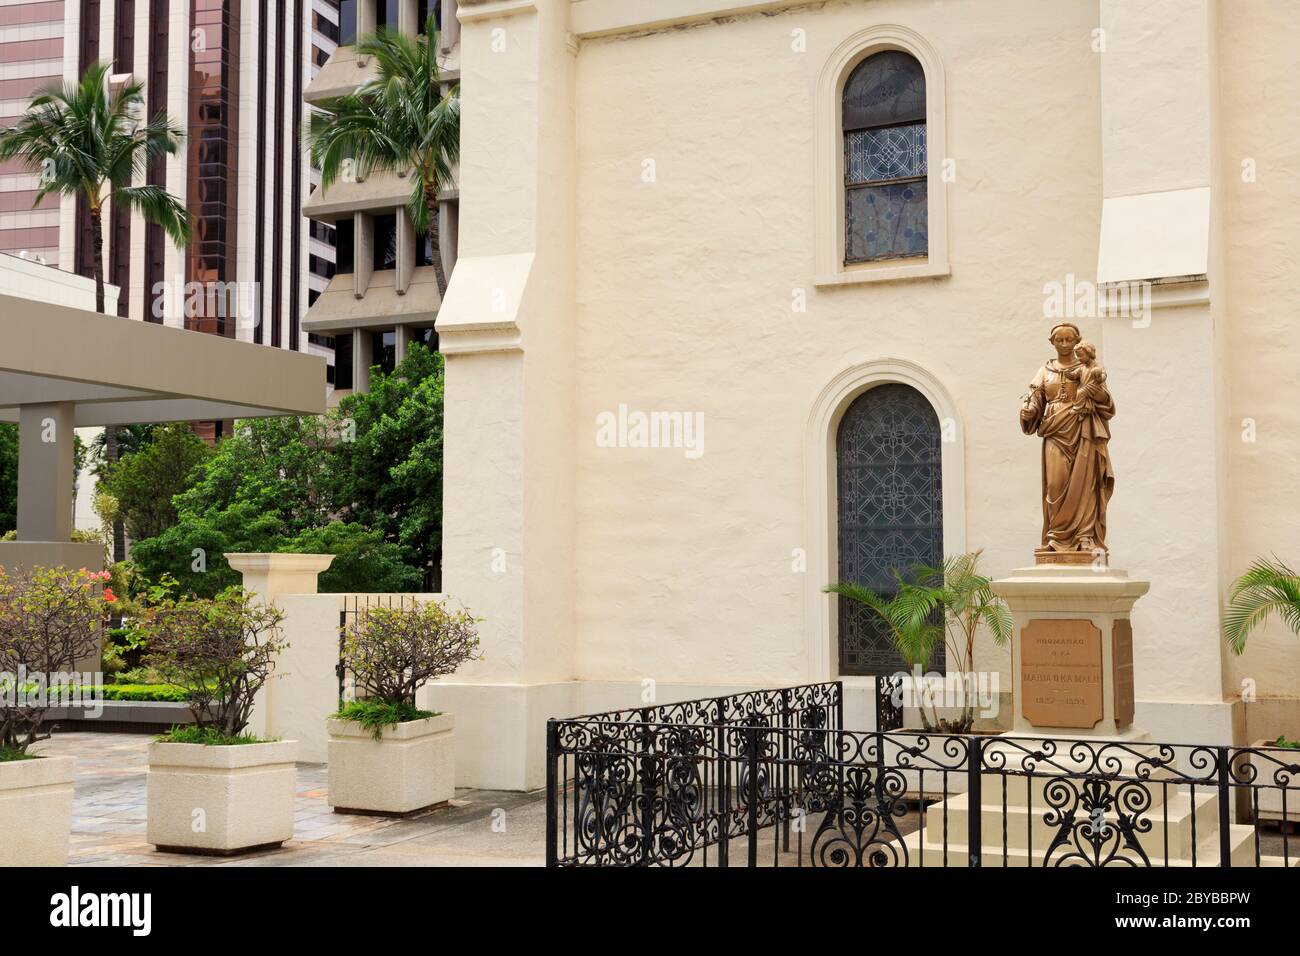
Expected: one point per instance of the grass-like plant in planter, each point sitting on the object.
(213, 788)
(386, 756)
(49, 621)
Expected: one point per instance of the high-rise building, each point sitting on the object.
(34, 47)
(382, 293)
(232, 75)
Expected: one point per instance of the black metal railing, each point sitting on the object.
(771, 778)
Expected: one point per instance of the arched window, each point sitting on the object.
(884, 127)
(889, 483)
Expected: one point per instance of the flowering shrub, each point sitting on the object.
(221, 650)
(50, 619)
(394, 651)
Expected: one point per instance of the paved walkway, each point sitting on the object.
(479, 828)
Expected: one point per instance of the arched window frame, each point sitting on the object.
(821, 523)
(830, 267)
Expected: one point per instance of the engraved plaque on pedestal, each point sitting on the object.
(1121, 637)
(1060, 673)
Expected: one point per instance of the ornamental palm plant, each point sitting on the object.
(908, 617)
(1268, 588)
(84, 140)
(967, 601)
(400, 121)
(954, 593)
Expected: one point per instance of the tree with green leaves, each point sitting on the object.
(8, 477)
(86, 140)
(1268, 588)
(363, 483)
(402, 120)
(145, 482)
(388, 476)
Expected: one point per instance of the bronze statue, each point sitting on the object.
(1068, 407)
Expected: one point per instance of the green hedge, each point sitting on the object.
(142, 692)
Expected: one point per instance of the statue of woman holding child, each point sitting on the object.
(1069, 407)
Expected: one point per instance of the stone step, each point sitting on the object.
(1241, 838)
(1171, 822)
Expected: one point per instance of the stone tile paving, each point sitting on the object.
(479, 828)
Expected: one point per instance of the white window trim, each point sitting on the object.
(828, 172)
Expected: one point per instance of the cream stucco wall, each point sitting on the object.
(686, 294)
(1258, 86)
(640, 228)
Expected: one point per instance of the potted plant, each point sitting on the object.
(1269, 587)
(49, 619)
(212, 787)
(949, 603)
(386, 756)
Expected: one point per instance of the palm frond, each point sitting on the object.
(82, 140)
(1267, 588)
(158, 206)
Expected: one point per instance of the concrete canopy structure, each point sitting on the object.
(62, 368)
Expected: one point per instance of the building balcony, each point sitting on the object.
(345, 71)
(377, 192)
(339, 308)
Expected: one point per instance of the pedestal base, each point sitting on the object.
(1072, 648)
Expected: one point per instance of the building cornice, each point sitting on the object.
(597, 18)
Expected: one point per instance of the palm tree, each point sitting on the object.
(399, 121)
(85, 141)
(1268, 588)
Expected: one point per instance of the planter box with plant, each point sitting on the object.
(385, 755)
(212, 787)
(49, 619)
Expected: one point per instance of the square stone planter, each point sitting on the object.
(410, 768)
(221, 800)
(36, 811)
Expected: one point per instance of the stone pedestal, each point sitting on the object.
(1046, 802)
(1072, 648)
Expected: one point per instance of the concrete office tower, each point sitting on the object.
(382, 294)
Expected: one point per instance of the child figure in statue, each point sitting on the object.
(1090, 378)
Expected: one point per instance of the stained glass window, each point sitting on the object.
(890, 512)
(885, 197)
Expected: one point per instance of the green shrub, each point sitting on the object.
(208, 736)
(220, 650)
(168, 693)
(394, 651)
(49, 619)
(375, 715)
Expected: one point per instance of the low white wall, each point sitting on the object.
(304, 689)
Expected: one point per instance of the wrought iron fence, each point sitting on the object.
(772, 778)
